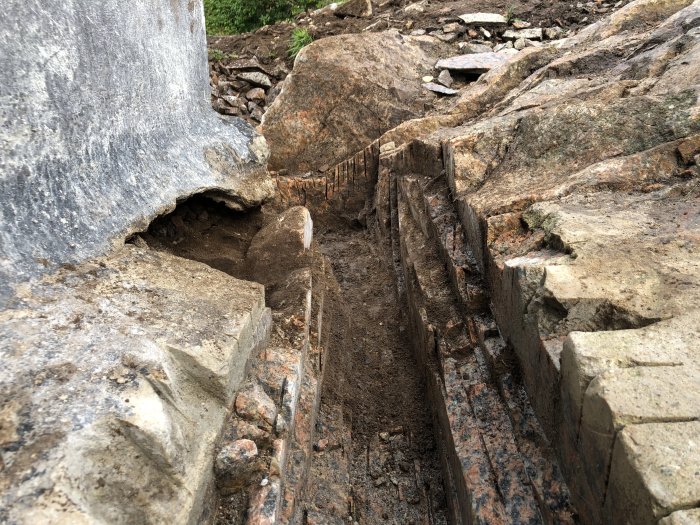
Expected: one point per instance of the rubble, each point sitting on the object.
(473, 63)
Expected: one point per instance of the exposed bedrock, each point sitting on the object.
(578, 193)
(105, 122)
(574, 171)
(119, 364)
(117, 380)
(344, 92)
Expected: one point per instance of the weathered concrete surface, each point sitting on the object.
(344, 92)
(105, 121)
(117, 378)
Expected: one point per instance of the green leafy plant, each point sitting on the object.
(300, 39)
(216, 54)
(237, 16)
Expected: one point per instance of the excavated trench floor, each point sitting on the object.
(374, 399)
(375, 457)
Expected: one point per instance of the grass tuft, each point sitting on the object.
(300, 39)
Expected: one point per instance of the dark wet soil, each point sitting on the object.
(373, 380)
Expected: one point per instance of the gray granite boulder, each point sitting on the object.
(105, 122)
(117, 379)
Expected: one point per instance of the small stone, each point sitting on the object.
(257, 114)
(256, 94)
(384, 436)
(379, 482)
(485, 32)
(256, 78)
(534, 33)
(501, 47)
(472, 33)
(553, 33)
(450, 37)
(454, 27)
(236, 463)
(427, 78)
(321, 445)
(483, 19)
(254, 405)
(521, 24)
(522, 43)
(445, 78)
(416, 8)
(234, 101)
(418, 32)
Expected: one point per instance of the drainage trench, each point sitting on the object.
(373, 455)
(390, 394)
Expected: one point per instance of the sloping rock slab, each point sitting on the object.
(344, 92)
(437, 88)
(474, 62)
(105, 121)
(116, 380)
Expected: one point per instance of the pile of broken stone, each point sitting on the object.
(493, 40)
(244, 88)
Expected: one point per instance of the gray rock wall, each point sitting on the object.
(104, 122)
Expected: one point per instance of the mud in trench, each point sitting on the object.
(376, 449)
(372, 456)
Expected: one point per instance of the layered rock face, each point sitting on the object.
(119, 369)
(104, 123)
(573, 171)
(576, 182)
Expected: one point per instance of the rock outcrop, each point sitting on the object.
(105, 123)
(120, 368)
(577, 186)
(343, 93)
(573, 168)
(117, 379)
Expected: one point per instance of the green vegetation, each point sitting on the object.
(237, 16)
(510, 14)
(300, 39)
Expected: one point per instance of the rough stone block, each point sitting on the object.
(255, 406)
(654, 471)
(236, 463)
(93, 393)
(483, 19)
(89, 153)
(631, 396)
(282, 246)
(474, 62)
